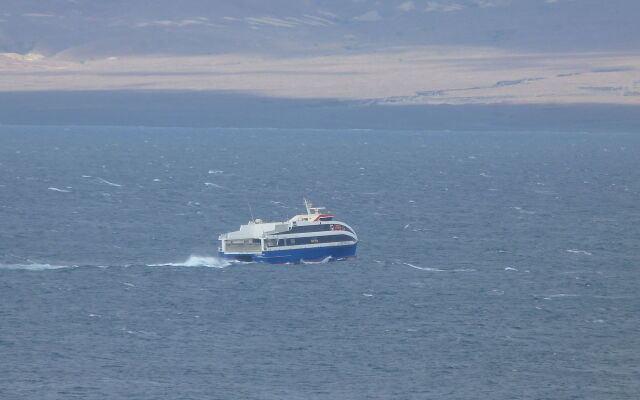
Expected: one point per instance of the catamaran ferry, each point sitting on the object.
(310, 237)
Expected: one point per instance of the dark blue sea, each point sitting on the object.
(490, 265)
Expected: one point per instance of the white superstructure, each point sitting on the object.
(300, 236)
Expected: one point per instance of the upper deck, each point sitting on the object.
(259, 229)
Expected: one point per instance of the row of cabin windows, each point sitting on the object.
(239, 242)
(308, 240)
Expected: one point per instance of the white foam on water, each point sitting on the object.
(560, 295)
(55, 189)
(510, 269)
(197, 261)
(215, 171)
(523, 211)
(278, 203)
(438, 269)
(576, 251)
(35, 266)
(214, 185)
(424, 268)
(323, 261)
(107, 182)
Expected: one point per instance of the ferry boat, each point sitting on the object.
(310, 237)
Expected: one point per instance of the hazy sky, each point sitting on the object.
(390, 52)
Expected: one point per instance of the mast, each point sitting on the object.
(307, 205)
(311, 210)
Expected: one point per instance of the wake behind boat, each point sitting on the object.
(310, 237)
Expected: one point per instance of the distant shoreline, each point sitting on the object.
(225, 110)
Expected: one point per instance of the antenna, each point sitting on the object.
(251, 211)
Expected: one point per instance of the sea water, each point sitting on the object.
(490, 265)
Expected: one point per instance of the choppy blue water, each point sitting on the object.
(490, 266)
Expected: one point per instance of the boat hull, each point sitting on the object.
(295, 256)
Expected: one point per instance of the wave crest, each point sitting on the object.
(197, 261)
(35, 266)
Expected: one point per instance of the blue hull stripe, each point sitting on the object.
(297, 255)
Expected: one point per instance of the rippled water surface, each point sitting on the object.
(490, 265)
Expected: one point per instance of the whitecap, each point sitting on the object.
(576, 251)
(560, 295)
(55, 189)
(424, 268)
(278, 203)
(108, 183)
(215, 171)
(323, 261)
(214, 185)
(196, 261)
(510, 269)
(438, 269)
(35, 266)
